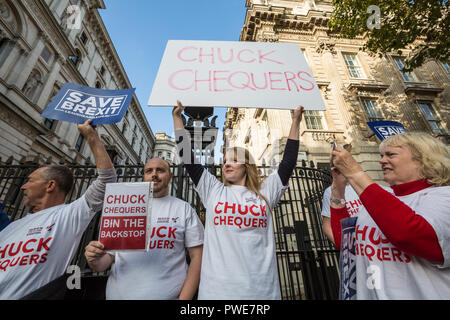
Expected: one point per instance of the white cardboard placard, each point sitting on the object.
(235, 74)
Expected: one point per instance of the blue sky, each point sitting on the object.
(140, 29)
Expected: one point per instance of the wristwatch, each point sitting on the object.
(338, 201)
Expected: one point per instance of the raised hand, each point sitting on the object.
(176, 112)
(298, 114)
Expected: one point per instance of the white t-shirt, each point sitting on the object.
(239, 259)
(352, 201)
(38, 248)
(385, 272)
(159, 273)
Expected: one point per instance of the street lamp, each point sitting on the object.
(203, 137)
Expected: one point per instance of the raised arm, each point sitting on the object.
(101, 157)
(297, 116)
(338, 211)
(289, 161)
(183, 141)
(107, 174)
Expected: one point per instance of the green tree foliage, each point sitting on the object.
(420, 25)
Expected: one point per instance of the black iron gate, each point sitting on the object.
(307, 261)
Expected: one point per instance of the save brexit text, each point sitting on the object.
(91, 106)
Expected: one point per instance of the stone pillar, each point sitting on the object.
(15, 53)
(21, 72)
(48, 85)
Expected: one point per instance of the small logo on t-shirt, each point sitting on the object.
(163, 220)
(175, 219)
(253, 200)
(49, 228)
(33, 231)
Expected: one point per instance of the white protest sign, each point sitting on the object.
(125, 216)
(235, 74)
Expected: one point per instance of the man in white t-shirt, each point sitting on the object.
(38, 248)
(162, 273)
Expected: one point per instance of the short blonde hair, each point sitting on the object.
(432, 155)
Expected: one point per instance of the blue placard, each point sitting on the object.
(384, 129)
(77, 103)
(347, 260)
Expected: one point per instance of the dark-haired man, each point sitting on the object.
(38, 248)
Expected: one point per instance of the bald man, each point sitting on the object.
(162, 273)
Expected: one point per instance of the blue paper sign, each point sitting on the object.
(77, 103)
(347, 260)
(384, 129)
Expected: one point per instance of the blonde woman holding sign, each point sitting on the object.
(239, 259)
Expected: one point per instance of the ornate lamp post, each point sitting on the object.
(203, 132)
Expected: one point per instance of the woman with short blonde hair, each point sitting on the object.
(402, 240)
(432, 154)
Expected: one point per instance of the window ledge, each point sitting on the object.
(421, 88)
(366, 85)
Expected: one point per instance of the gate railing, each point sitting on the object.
(308, 263)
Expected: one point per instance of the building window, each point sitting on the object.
(446, 67)
(102, 71)
(313, 120)
(159, 154)
(79, 143)
(407, 76)
(46, 54)
(49, 123)
(83, 38)
(141, 148)
(169, 155)
(372, 110)
(433, 119)
(353, 66)
(76, 58)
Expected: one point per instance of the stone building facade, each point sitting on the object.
(165, 148)
(357, 87)
(44, 44)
